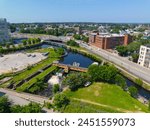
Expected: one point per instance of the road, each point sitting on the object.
(25, 98)
(133, 68)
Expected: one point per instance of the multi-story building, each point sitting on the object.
(109, 41)
(144, 56)
(4, 35)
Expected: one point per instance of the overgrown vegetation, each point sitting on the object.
(7, 107)
(76, 80)
(72, 43)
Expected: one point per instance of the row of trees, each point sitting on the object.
(31, 41)
(7, 107)
(53, 31)
(26, 44)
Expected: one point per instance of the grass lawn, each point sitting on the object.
(51, 57)
(104, 97)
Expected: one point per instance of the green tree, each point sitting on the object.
(122, 50)
(72, 43)
(133, 91)
(120, 81)
(16, 109)
(7, 46)
(93, 70)
(85, 39)
(77, 37)
(32, 108)
(1, 49)
(4, 105)
(24, 42)
(60, 100)
(76, 80)
(135, 57)
(56, 88)
(149, 105)
(104, 73)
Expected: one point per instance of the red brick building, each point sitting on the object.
(109, 41)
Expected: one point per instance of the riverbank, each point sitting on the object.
(130, 76)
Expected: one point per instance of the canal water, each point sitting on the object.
(78, 58)
(85, 62)
(142, 92)
(2, 94)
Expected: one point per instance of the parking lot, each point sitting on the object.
(18, 61)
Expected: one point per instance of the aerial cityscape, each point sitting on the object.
(84, 61)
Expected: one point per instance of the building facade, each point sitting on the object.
(4, 35)
(109, 41)
(144, 56)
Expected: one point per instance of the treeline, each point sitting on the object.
(132, 49)
(52, 31)
(26, 45)
(7, 107)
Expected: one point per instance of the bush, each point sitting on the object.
(30, 108)
(103, 73)
(72, 43)
(48, 105)
(4, 105)
(76, 80)
(149, 106)
(60, 100)
(120, 81)
(56, 88)
(139, 82)
(133, 91)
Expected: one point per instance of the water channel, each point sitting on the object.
(2, 94)
(85, 62)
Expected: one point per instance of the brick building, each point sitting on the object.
(109, 41)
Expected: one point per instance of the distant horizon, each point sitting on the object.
(62, 11)
(80, 22)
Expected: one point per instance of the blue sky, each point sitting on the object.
(75, 10)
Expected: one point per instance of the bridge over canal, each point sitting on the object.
(70, 67)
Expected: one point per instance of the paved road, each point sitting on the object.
(25, 98)
(133, 68)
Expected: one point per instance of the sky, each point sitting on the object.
(114, 11)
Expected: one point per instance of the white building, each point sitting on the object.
(144, 56)
(4, 36)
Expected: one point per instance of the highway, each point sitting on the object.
(133, 68)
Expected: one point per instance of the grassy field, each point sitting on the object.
(51, 57)
(103, 98)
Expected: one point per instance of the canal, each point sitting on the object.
(2, 94)
(85, 62)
